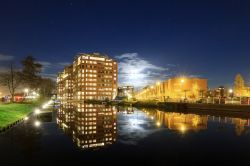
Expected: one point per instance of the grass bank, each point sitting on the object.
(10, 113)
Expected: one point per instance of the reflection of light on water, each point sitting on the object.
(37, 123)
(182, 128)
(37, 111)
(196, 120)
(133, 121)
(134, 127)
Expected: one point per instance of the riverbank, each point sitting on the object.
(12, 113)
(230, 110)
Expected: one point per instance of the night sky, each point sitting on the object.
(152, 40)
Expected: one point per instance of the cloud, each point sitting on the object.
(133, 70)
(4, 57)
(45, 65)
(4, 69)
(64, 64)
(49, 67)
(51, 76)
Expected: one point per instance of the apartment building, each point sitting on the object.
(91, 76)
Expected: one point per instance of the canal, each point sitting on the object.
(96, 133)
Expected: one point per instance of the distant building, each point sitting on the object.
(177, 88)
(240, 88)
(65, 81)
(126, 92)
(92, 76)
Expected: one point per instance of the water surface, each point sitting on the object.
(94, 133)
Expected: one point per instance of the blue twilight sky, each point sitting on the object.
(152, 40)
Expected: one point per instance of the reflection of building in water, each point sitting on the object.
(66, 116)
(241, 125)
(93, 126)
(181, 122)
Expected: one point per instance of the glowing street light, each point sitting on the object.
(158, 83)
(231, 94)
(230, 90)
(26, 118)
(26, 90)
(158, 124)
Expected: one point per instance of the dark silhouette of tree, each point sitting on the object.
(12, 79)
(30, 72)
(47, 87)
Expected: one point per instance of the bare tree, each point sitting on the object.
(11, 79)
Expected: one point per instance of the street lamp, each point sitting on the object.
(230, 91)
(231, 94)
(26, 90)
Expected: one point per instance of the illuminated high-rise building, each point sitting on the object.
(65, 81)
(92, 76)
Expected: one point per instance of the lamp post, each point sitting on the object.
(231, 95)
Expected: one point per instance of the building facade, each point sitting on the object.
(177, 88)
(126, 91)
(92, 76)
(65, 81)
(240, 88)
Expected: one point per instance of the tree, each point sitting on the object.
(239, 85)
(47, 87)
(30, 72)
(12, 79)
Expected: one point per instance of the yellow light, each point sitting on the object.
(152, 87)
(183, 129)
(152, 117)
(158, 83)
(37, 123)
(230, 90)
(158, 124)
(26, 90)
(26, 118)
(182, 80)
